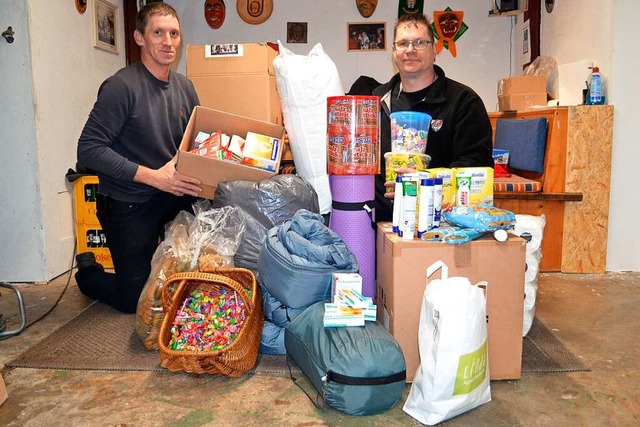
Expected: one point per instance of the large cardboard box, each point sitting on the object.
(401, 280)
(211, 171)
(238, 79)
(521, 92)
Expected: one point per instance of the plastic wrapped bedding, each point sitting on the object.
(298, 258)
(264, 205)
(304, 82)
(271, 201)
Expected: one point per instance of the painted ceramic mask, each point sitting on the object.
(214, 13)
(366, 7)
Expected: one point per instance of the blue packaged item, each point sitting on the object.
(480, 217)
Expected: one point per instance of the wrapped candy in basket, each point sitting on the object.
(212, 323)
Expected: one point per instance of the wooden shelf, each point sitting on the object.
(493, 13)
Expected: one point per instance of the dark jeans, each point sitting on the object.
(133, 232)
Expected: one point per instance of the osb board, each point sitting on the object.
(586, 223)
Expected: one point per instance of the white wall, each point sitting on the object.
(483, 51)
(599, 31)
(21, 234)
(624, 91)
(50, 85)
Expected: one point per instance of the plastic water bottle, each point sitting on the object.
(595, 88)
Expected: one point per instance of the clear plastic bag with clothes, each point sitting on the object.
(548, 67)
(171, 256)
(214, 237)
(202, 242)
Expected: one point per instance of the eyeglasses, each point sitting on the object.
(420, 44)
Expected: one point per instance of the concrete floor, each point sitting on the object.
(595, 316)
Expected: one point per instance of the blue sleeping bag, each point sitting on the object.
(359, 370)
(298, 257)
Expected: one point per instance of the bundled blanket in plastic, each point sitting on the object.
(298, 258)
(264, 205)
(304, 83)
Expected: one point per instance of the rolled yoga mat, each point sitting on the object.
(352, 218)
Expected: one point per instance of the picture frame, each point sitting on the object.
(106, 26)
(366, 36)
(296, 32)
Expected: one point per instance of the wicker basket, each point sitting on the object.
(235, 359)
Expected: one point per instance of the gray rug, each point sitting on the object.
(543, 352)
(104, 339)
(101, 338)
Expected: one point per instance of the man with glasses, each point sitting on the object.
(460, 133)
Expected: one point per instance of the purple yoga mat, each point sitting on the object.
(354, 226)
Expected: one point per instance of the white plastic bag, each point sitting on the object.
(453, 376)
(304, 82)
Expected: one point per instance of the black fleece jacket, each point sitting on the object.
(460, 134)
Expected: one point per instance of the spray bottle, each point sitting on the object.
(595, 96)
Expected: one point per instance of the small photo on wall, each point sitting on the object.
(296, 32)
(367, 36)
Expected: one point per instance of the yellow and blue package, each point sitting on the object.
(451, 234)
(480, 217)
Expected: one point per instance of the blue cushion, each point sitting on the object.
(525, 139)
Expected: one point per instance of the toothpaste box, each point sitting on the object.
(481, 187)
(345, 281)
(353, 298)
(339, 316)
(261, 151)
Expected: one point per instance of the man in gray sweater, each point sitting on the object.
(130, 140)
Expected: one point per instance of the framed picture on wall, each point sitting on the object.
(366, 36)
(296, 32)
(105, 26)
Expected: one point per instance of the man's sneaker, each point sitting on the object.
(86, 259)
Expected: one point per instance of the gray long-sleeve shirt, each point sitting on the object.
(136, 120)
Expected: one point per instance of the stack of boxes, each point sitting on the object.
(237, 90)
(348, 307)
(237, 79)
(89, 234)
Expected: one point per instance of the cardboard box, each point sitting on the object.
(517, 85)
(242, 82)
(521, 101)
(211, 171)
(3, 391)
(481, 184)
(521, 92)
(401, 280)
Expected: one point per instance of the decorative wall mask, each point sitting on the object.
(81, 6)
(366, 7)
(254, 11)
(214, 12)
(448, 26)
(410, 6)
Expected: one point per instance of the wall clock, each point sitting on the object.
(548, 4)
